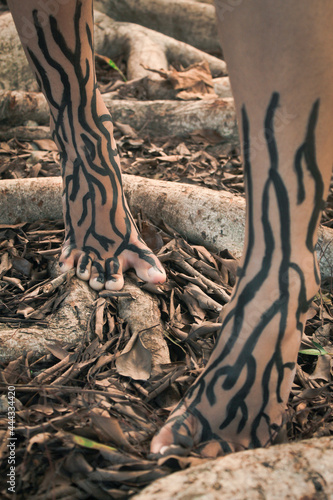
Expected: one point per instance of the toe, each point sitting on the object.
(83, 268)
(115, 282)
(152, 274)
(67, 259)
(97, 277)
(162, 441)
(147, 266)
(177, 432)
(114, 279)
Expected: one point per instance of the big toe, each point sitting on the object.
(162, 441)
(147, 266)
(169, 439)
(151, 274)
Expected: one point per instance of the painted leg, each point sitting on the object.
(101, 239)
(281, 68)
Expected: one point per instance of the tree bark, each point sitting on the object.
(64, 326)
(24, 133)
(141, 47)
(186, 20)
(143, 316)
(215, 219)
(157, 118)
(14, 68)
(140, 310)
(295, 470)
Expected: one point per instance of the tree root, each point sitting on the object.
(186, 20)
(141, 312)
(157, 118)
(293, 470)
(140, 359)
(68, 324)
(215, 219)
(140, 46)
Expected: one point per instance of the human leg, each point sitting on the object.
(279, 56)
(101, 238)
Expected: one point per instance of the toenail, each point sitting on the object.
(82, 270)
(154, 271)
(173, 449)
(100, 279)
(164, 449)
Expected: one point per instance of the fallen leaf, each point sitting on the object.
(135, 360)
(41, 438)
(323, 369)
(5, 264)
(46, 144)
(108, 428)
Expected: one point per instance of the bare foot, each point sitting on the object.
(101, 240)
(239, 400)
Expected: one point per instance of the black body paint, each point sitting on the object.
(221, 374)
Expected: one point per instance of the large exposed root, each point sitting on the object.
(215, 219)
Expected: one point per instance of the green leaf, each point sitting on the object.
(319, 351)
(114, 66)
(319, 347)
(310, 352)
(88, 443)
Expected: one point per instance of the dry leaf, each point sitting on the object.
(323, 369)
(46, 144)
(108, 428)
(135, 360)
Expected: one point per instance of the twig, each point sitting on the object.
(59, 280)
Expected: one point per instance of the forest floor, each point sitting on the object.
(83, 430)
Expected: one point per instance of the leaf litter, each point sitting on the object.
(83, 430)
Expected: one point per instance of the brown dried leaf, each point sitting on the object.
(57, 350)
(76, 463)
(22, 265)
(193, 306)
(135, 360)
(24, 310)
(99, 317)
(323, 369)
(151, 236)
(126, 130)
(11, 373)
(5, 263)
(41, 438)
(14, 281)
(46, 144)
(108, 428)
(205, 328)
(323, 336)
(189, 78)
(302, 413)
(128, 476)
(204, 301)
(169, 158)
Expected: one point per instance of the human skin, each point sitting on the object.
(101, 239)
(280, 61)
